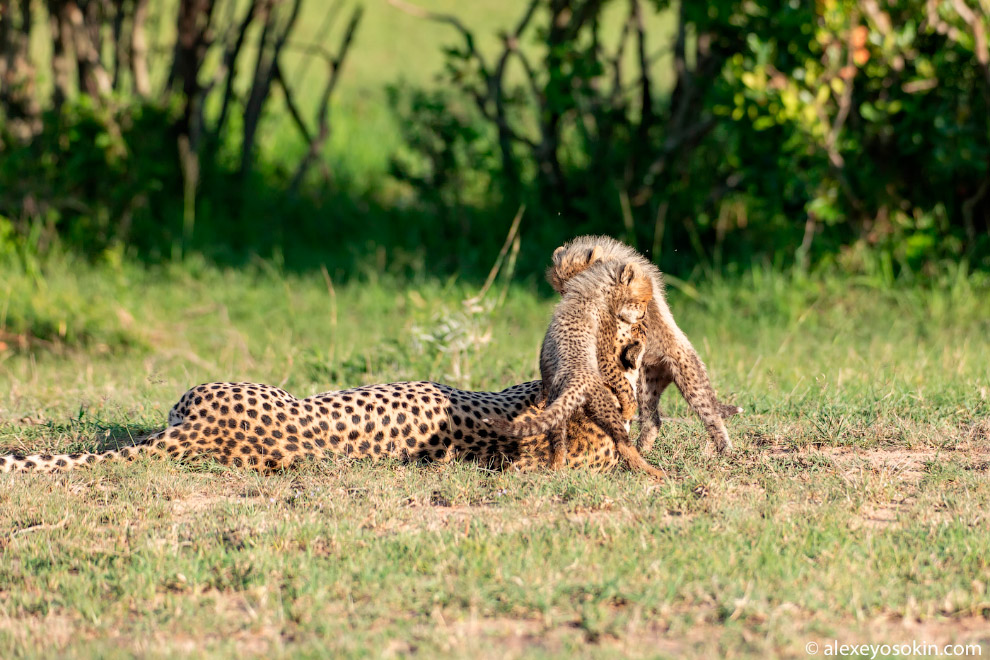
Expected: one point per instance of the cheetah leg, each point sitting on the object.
(558, 446)
(606, 417)
(632, 455)
(653, 380)
(637, 462)
(725, 410)
(692, 380)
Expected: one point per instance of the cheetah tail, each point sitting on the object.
(66, 462)
(553, 416)
(726, 410)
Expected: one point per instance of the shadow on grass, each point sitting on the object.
(72, 436)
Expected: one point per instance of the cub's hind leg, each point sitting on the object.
(692, 380)
(601, 409)
(653, 380)
(558, 446)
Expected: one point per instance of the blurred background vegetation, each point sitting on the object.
(402, 138)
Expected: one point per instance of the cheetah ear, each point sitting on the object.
(594, 254)
(558, 255)
(628, 273)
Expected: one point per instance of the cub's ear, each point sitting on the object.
(594, 254)
(628, 273)
(558, 255)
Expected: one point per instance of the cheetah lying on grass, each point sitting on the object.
(264, 428)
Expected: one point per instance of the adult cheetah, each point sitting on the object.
(668, 356)
(265, 428)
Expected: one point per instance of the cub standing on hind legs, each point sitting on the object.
(579, 365)
(668, 355)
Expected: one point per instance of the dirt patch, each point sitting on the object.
(57, 630)
(888, 479)
(200, 502)
(521, 637)
(933, 635)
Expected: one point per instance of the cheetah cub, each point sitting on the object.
(668, 355)
(579, 363)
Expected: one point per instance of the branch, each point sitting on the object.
(510, 45)
(646, 100)
(93, 76)
(230, 56)
(333, 11)
(967, 209)
(323, 119)
(119, 47)
(579, 18)
(263, 73)
(493, 92)
(493, 273)
(290, 104)
(450, 19)
(678, 138)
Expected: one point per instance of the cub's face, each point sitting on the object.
(632, 312)
(568, 262)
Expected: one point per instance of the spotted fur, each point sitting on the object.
(264, 428)
(668, 354)
(579, 366)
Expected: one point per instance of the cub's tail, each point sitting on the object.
(726, 410)
(552, 416)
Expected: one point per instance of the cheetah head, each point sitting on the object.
(569, 262)
(638, 292)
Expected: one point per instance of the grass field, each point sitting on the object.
(855, 509)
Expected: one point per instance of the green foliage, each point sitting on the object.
(95, 178)
(447, 155)
(879, 123)
(793, 130)
(788, 132)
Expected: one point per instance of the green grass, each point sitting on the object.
(854, 510)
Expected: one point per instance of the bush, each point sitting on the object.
(95, 178)
(791, 131)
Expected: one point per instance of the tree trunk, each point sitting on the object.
(139, 50)
(93, 76)
(18, 99)
(61, 45)
(193, 39)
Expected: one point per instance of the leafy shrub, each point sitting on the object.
(791, 131)
(94, 177)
